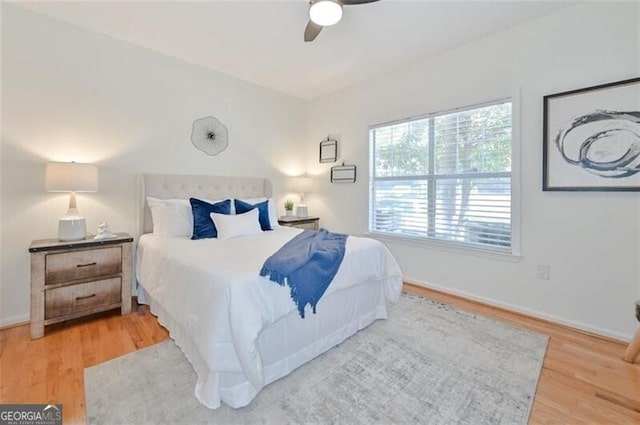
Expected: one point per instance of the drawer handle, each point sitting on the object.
(85, 297)
(87, 265)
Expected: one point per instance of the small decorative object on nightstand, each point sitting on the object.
(300, 222)
(103, 232)
(75, 279)
(288, 207)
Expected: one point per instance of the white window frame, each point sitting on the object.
(514, 254)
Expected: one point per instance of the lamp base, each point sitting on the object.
(302, 211)
(72, 229)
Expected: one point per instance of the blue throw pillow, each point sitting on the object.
(203, 226)
(263, 211)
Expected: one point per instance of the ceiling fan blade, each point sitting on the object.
(311, 31)
(355, 2)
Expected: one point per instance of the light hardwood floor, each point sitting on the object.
(583, 379)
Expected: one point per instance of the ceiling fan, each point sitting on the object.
(324, 13)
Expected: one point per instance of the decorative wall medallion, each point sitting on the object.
(210, 135)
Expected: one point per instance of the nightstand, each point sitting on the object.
(79, 278)
(300, 222)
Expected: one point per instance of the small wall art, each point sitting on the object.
(343, 174)
(592, 138)
(328, 150)
(210, 135)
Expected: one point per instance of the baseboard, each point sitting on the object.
(575, 325)
(11, 322)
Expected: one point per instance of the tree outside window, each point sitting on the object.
(445, 176)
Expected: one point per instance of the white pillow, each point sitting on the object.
(273, 215)
(166, 222)
(171, 217)
(233, 226)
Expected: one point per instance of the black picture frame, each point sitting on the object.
(328, 151)
(343, 174)
(591, 138)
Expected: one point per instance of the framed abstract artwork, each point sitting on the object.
(591, 138)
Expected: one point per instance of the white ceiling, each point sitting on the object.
(261, 41)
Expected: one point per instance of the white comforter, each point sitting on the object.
(213, 290)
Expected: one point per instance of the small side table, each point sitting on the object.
(634, 346)
(300, 222)
(79, 278)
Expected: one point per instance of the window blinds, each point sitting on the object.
(446, 176)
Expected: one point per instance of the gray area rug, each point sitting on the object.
(428, 363)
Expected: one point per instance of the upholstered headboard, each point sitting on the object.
(174, 186)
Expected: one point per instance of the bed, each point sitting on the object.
(241, 331)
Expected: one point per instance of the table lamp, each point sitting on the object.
(71, 177)
(301, 184)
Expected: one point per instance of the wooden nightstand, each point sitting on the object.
(300, 222)
(75, 279)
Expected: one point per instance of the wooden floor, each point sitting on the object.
(583, 379)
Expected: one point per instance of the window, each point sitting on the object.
(445, 176)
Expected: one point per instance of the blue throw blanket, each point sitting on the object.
(307, 263)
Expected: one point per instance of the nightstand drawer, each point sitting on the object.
(310, 226)
(67, 266)
(82, 297)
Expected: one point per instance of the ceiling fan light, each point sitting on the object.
(325, 12)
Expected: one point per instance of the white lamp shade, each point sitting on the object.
(71, 177)
(301, 184)
(325, 12)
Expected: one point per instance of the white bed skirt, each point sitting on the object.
(285, 345)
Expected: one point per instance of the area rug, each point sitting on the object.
(428, 363)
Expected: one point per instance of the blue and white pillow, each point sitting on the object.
(273, 214)
(262, 207)
(203, 226)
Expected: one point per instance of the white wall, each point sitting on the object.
(70, 94)
(590, 240)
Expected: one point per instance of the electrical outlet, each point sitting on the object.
(543, 271)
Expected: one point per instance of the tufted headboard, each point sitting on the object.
(174, 186)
